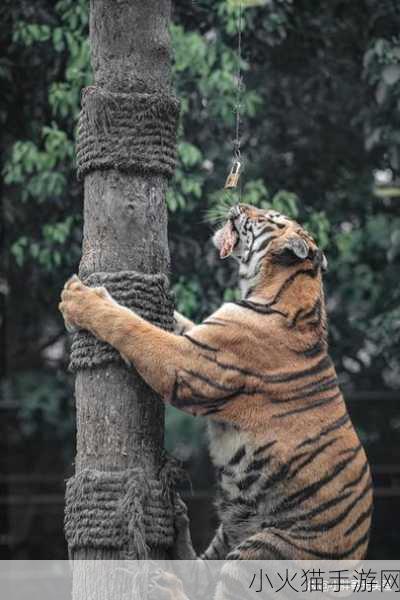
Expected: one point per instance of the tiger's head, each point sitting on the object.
(253, 236)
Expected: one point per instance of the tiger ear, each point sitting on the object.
(319, 260)
(324, 263)
(297, 246)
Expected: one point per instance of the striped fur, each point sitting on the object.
(294, 482)
(272, 501)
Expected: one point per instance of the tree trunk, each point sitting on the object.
(119, 419)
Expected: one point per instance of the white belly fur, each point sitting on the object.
(224, 442)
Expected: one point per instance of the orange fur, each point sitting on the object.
(242, 367)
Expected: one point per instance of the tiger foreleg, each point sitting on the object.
(183, 547)
(218, 547)
(177, 367)
(155, 353)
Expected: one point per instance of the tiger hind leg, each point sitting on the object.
(264, 546)
(233, 583)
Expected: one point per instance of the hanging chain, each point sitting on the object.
(239, 85)
(233, 177)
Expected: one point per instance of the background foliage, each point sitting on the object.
(321, 126)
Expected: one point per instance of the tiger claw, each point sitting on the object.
(68, 295)
(69, 326)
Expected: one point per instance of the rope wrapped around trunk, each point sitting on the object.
(121, 510)
(148, 295)
(127, 131)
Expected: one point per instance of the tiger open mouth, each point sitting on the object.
(226, 238)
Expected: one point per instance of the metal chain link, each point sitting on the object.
(233, 178)
(239, 85)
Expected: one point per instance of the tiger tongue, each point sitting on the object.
(228, 239)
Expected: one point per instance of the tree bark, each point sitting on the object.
(119, 419)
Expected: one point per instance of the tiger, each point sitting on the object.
(293, 478)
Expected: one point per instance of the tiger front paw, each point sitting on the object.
(77, 303)
(166, 586)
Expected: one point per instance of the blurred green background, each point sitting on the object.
(320, 138)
